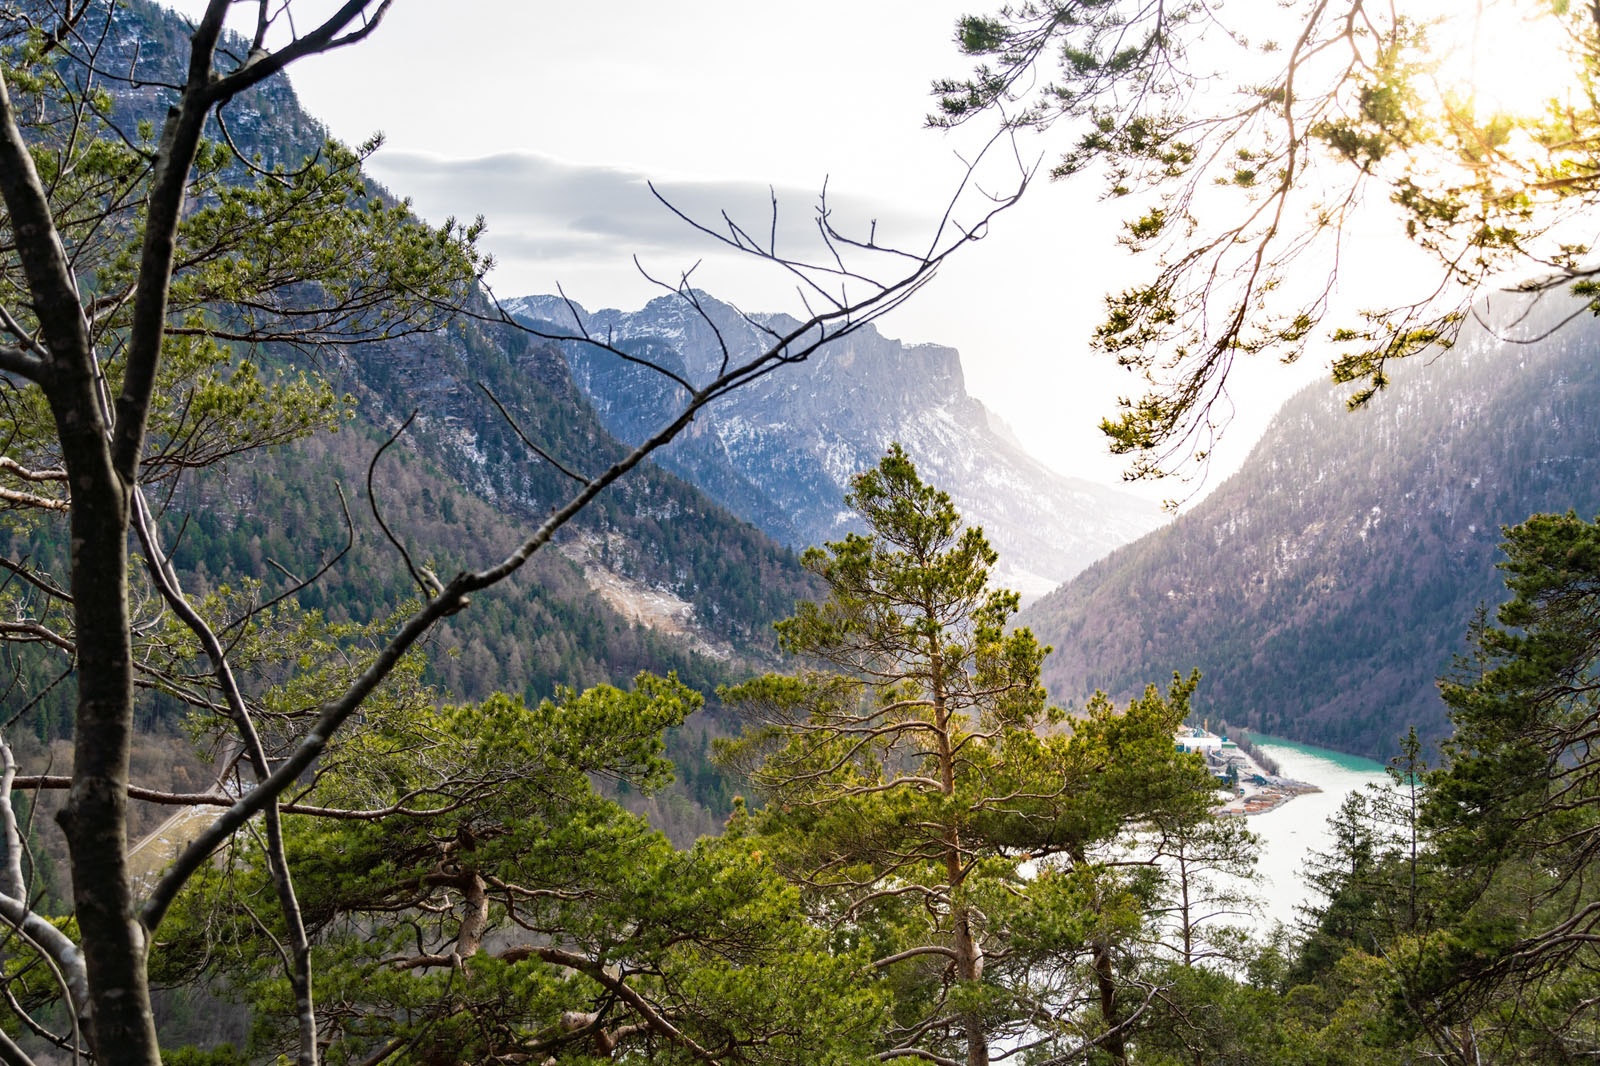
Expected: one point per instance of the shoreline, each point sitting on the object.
(1266, 798)
(1253, 790)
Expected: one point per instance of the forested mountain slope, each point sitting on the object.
(653, 529)
(781, 452)
(459, 487)
(1325, 586)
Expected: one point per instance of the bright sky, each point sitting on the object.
(547, 119)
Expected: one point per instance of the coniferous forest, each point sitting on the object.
(367, 700)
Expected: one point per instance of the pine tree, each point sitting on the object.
(912, 768)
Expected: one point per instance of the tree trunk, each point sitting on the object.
(969, 953)
(1188, 910)
(1106, 984)
(95, 817)
(969, 964)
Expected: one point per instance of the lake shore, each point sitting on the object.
(1251, 789)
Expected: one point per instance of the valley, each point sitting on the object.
(397, 674)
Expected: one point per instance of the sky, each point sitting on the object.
(549, 119)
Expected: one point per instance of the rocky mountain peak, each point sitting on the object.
(781, 452)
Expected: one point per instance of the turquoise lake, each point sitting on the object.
(1300, 826)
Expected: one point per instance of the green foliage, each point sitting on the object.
(303, 256)
(502, 907)
(273, 260)
(1456, 918)
(912, 768)
(1249, 140)
(1513, 809)
(317, 249)
(222, 1055)
(1208, 1017)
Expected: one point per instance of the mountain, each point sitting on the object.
(471, 486)
(461, 489)
(652, 575)
(780, 453)
(1324, 587)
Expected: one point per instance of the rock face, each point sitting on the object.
(1324, 587)
(781, 452)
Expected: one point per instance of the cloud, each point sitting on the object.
(553, 217)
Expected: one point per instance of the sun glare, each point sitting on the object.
(1510, 57)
